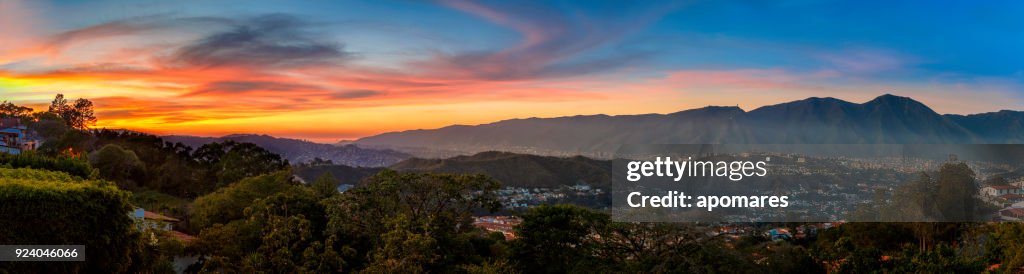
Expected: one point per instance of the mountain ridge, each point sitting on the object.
(885, 119)
(299, 151)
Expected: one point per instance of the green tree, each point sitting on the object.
(412, 221)
(118, 164)
(326, 186)
(558, 239)
(957, 193)
(231, 161)
(281, 233)
(169, 166)
(229, 203)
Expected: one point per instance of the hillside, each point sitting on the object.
(887, 119)
(519, 170)
(300, 151)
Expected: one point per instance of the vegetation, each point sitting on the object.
(228, 203)
(77, 115)
(251, 215)
(520, 170)
(72, 166)
(117, 164)
(46, 207)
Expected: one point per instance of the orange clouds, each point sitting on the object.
(280, 74)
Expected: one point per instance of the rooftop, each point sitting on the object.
(156, 216)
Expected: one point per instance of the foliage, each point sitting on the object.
(230, 161)
(78, 115)
(45, 207)
(285, 229)
(73, 166)
(161, 202)
(326, 186)
(70, 143)
(943, 258)
(48, 125)
(10, 110)
(519, 170)
(950, 195)
(229, 203)
(168, 167)
(119, 165)
(571, 239)
(412, 221)
(558, 239)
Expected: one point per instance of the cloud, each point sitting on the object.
(554, 44)
(864, 61)
(355, 94)
(242, 87)
(275, 40)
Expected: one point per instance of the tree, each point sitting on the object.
(285, 229)
(169, 166)
(118, 164)
(10, 110)
(229, 203)
(957, 193)
(79, 115)
(48, 125)
(326, 186)
(557, 239)
(231, 161)
(410, 221)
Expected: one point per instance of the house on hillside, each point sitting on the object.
(1012, 214)
(151, 220)
(1010, 199)
(996, 191)
(14, 137)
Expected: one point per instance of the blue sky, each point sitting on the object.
(167, 66)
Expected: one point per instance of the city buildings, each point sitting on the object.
(14, 137)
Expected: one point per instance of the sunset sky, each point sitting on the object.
(333, 70)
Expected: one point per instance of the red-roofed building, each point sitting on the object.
(1010, 198)
(151, 220)
(996, 191)
(1012, 214)
(503, 224)
(184, 238)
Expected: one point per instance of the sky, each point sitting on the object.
(334, 70)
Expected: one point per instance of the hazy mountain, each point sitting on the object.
(994, 127)
(299, 151)
(521, 170)
(886, 119)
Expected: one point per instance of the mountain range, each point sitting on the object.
(300, 151)
(887, 119)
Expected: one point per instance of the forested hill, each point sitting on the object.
(300, 151)
(520, 170)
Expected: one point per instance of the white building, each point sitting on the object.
(995, 191)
